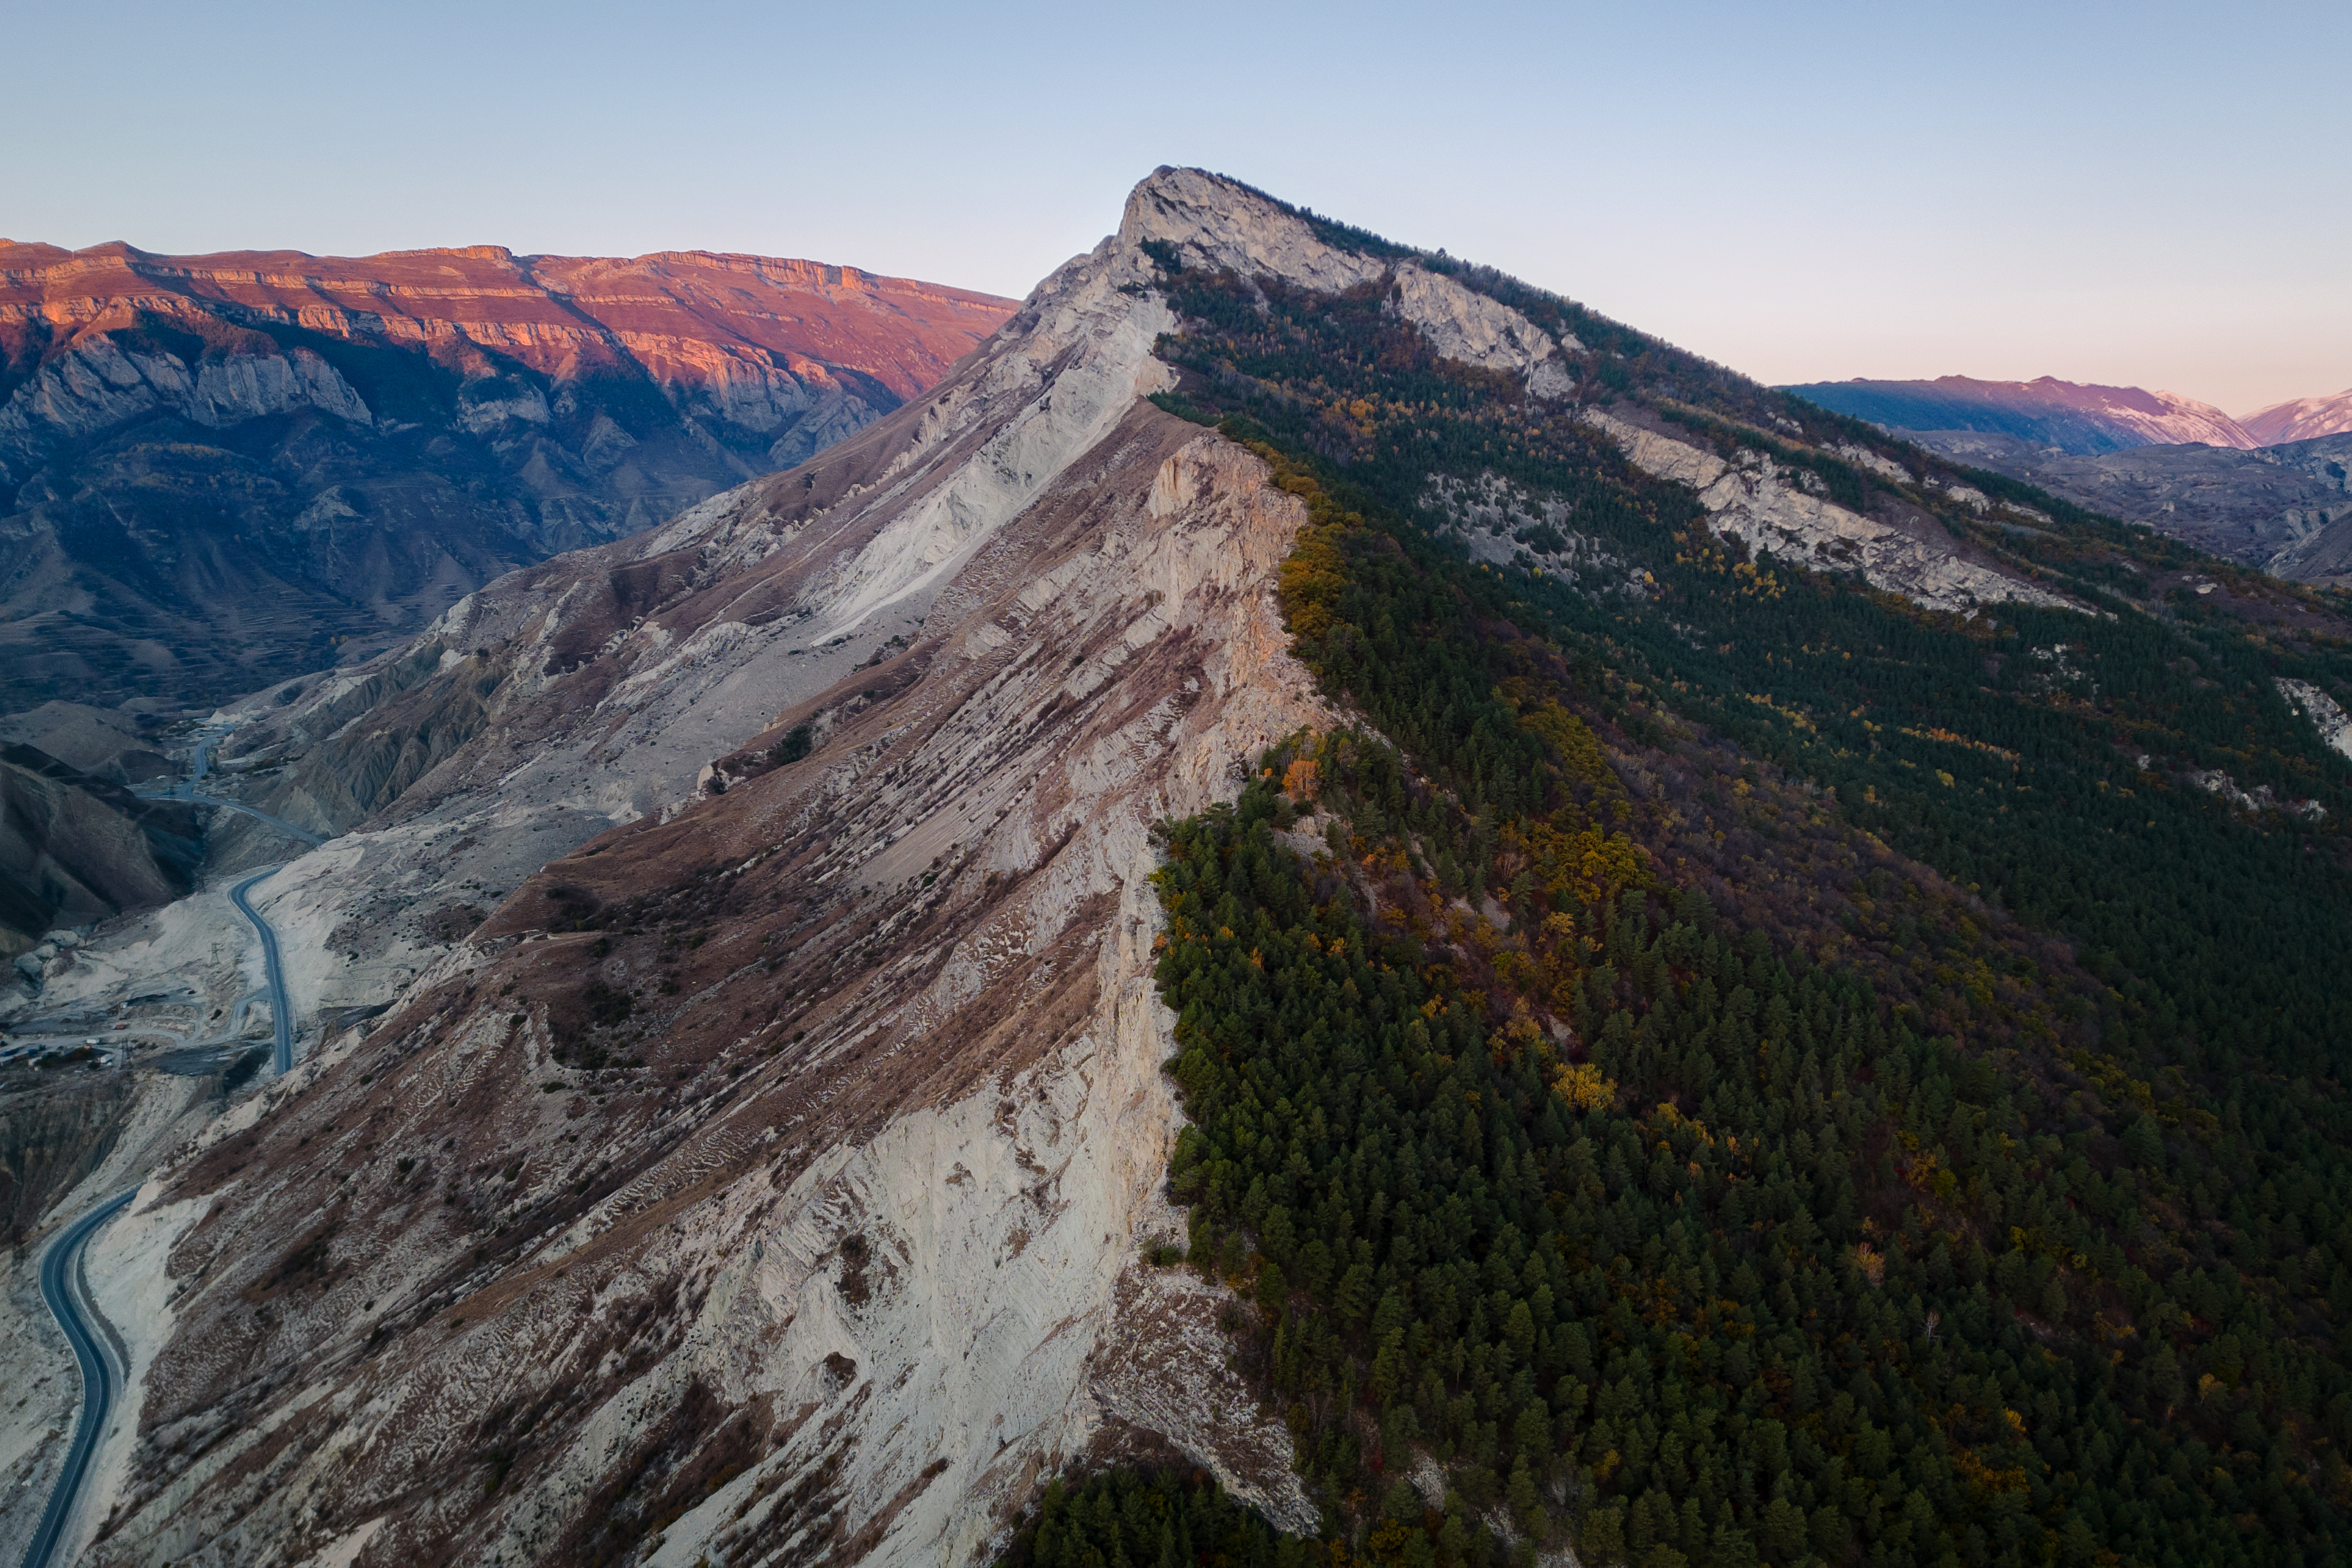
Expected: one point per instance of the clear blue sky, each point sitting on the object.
(2140, 194)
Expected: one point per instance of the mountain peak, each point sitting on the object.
(1224, 225)
(1230, 226)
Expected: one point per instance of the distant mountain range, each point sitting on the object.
(2287, 508)
(218, 470)
(2305, 419)
(2052, 413)
(2085, 420)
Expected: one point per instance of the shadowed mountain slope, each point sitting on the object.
(218, 470)
(75, 850)
(2281, 509)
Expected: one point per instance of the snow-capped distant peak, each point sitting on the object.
(2303, 419)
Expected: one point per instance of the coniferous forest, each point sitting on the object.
(1725, 1066)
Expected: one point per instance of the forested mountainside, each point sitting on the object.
(218, 470)
(1731, 1065)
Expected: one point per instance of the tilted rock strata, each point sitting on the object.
(871, 1243)
(1755, 503)
(975, 1098)
(683, 315)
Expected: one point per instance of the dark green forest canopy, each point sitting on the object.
(1163, 1519)
(1877, 1117)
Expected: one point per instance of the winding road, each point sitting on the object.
(186, 790)
(66, 1293)
(281, 1011)
(62, 1284)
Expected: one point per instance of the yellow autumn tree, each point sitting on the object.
(1584, 1085)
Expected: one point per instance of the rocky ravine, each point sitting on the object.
(765, 1179)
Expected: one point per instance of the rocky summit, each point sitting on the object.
(220, 470)
(1322, 909)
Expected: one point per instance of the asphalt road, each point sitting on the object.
(186, 790)
(281, 1011)
(183, 791)
(62, 1264)
(62, 1288)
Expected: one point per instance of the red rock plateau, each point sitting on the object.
(688, 318)
(222, 469)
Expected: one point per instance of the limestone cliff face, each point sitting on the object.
(97, 384)
(685, 319)
(1213, 222)
(2326, 715)
(224, 465)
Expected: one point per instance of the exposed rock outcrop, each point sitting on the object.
(1757, 501)
(1199, 214)
(2327, 714)
(97, 384)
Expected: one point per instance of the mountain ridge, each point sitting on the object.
(2301, 419)
(297, 287)
(2074, 417)
(777, 928)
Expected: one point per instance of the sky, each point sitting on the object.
(2138, 194)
